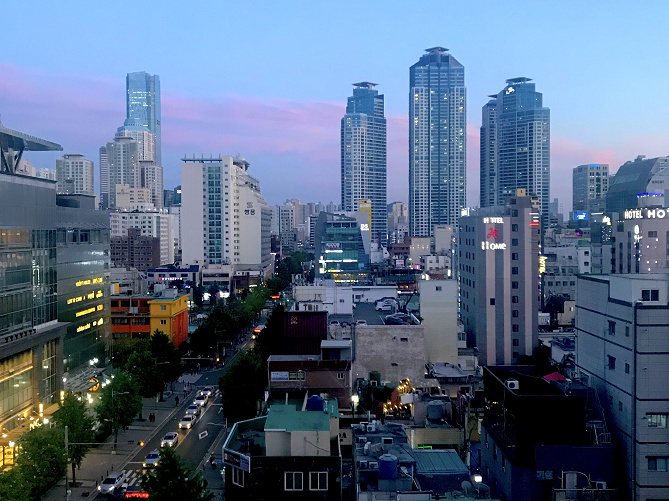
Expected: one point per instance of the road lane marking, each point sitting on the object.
(203, 434)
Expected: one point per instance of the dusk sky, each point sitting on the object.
(269, 80)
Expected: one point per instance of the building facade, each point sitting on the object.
(135, 251)
(517, 155)
(437, 141)
(75, 175)
(622, 350)
(590, 183)
(155, 224)
(119, 166)
(228, 219)
(363, 155)
(339, 249)
(498, 256)
(638, 177)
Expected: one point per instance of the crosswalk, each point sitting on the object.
(131, 477)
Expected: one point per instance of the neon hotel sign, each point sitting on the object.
(646, 213)
(490, 242)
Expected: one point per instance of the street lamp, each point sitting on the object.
(477, 478)
(354, 402)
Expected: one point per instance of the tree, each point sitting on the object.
(142, 367)
(242, 386)
(171, 479)
(168, 358)
(119, 403)
(13, 485)
(73, 414)
(42, 461)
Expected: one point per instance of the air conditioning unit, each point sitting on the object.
(373, 464)
(362, 440)
(512, 384)
(371, 427)
(373, 382)
(600, 484)
(362, 464)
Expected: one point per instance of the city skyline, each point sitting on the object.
(52, 92)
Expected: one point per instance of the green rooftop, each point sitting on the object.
(288, 418)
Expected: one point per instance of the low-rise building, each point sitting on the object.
(138, 316)
(537, 434)
(290, 453)
(135, 251)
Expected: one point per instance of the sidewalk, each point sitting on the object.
(102, 460)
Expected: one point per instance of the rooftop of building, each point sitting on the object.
(162, 295)
(193, 268)
(439, 461)
(21, 141)
(289, 418)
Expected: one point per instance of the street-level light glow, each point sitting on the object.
(355, 399)
(478, 478)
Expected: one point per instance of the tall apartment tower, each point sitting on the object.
(520, 142)
(104, 178)
(437, 141)
(228, 221)
(363, 155)
(143, 107)
(74, 174)
(489, 195)
(590, 185)
(121, 166)
(499, 279)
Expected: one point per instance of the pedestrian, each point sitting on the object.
(176, 399)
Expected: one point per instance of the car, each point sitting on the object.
(200, 400)
(193, 409)
(170, 439)
(361, 322)
(334, 322)
(187, 422)
(207, 390)
(112, 483)
(151, 459)
(258, 328)
(398, 319)
(386, 305)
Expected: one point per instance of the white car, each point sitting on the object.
(193, 409)
(151, 459)
(170, 439)
(200, 400)
(187, 422)
(207, 390)
(112, 483)
(361, 322)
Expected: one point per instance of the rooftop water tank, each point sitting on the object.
(387, 467)
(315, 403)
(435, 411)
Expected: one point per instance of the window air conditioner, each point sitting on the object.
(512, 384)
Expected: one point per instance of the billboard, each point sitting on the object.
(582, 215)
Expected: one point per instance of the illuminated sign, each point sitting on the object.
(85, 312)
(492, 246)
(646, 214)
(583, 215)
(510, 90)
(542, 264)
(493, 220)
(97, 280)
(82, 328)
(364, 227)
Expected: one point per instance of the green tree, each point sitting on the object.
(73, 414)
(168, 358)
(42, 460)
(119, 403)
(171, 480)
(242, 386)
(13, 485)
(144, 371)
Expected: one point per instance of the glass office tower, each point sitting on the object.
(363, 156)
(437, 141)
(143, 107)
(522, 149)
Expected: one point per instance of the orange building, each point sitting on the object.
(140, 315)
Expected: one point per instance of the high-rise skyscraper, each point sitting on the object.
(74, 174)
(363, 155)
(515, 148)
(437, 141)
(488, 195)
(143, 107)
(121, 166)
(590, 183)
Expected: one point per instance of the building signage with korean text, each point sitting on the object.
(237, 460)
